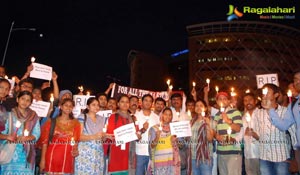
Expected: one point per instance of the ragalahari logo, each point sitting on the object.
(233, 13)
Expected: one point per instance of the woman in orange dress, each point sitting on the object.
(59, 147)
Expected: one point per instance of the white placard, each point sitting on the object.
(12, 85)
(41, 71)
(181, 129)
(106, 114)
(80, 100)
(40, 107)
(124, 134)
(266, 78)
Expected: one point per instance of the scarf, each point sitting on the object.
(29, 121)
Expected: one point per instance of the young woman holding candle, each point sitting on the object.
(90, 159)
(57, 140)
(27, 131)
(121, 158)
(201, 146)
(164, 152)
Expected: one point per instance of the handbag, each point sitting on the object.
(7, 149)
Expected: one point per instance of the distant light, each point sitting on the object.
(180, 53)
(41, 35)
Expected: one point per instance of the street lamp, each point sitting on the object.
(12, 29)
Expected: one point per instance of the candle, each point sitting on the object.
(13, 79)
(32, 59)
(168, 82)
(51, 98)
(6, 77)
(229, 130)
(160, 127)
(105, 128)
(18, 125)
(248, 117)
(171, 87)
(194, 84)
(189, 113)
(265, 91)
(217, 89)
(247, 91)
(26, 132)
(72, 141)
(203, 113)
(80, 88)
(232, 93)
(88, 93)
(208, 81)
(289, 94)
(222, 109)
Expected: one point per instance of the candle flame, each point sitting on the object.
(168, 82)
(32, 59)
(207, 80)
(217, 88)
(171, 87)
(26, 132)
(289, 93)
(194, 84)
(18, 124)
(51, 98)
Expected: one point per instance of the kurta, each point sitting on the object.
(91, 156)
(19, 163)
(58, 159)
(120, 161)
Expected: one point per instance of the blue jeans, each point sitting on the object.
(141, 164)
(273, 168)
(202, 168)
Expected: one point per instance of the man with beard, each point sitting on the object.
(291, 117)
(251, 151)
(133, 104)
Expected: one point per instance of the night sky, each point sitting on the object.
(87, 41)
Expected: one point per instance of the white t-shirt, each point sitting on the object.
(142, 145)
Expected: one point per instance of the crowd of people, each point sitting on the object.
(262, 137)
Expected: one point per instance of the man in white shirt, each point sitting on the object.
(145, 119)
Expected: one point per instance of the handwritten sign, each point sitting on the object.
(125, 134)
(40, 107)
(41, 71)
(80, 100)
(181, 129)
(266, 78)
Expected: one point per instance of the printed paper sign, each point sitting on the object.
(181, 129)
(125, 134)
(80, 100)
(41, 71)
(266, 78)
(76, 111)
(40, 107)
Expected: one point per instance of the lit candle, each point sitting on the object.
(208, 81)
(289, 94)
(32, 59)
(189, 113)
(88, 93)
(248, 117)
(217, 89)
(51, 98)
(72, 141)
(105, 128)
(13, 79)
(160, 127)
(229, 130)
(80, 88)
(18, 125)
(232, 93)
(26, 133)
(194, 84)
(247, 91)
(222, 109)
(171, 87)
(203, 112)
(265, 91)
(6, 77)
(168, 82)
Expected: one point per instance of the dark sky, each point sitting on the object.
(85, 41)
